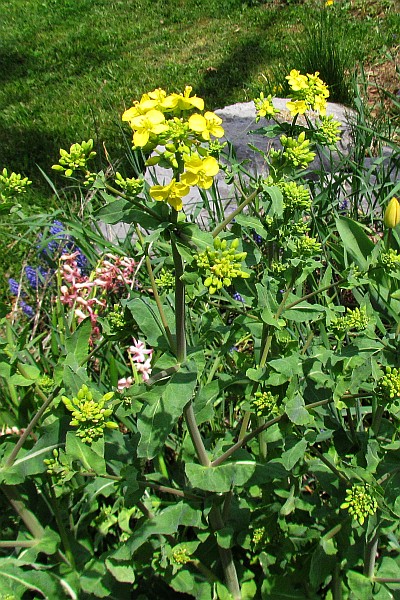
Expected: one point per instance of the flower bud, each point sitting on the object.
(391, 217)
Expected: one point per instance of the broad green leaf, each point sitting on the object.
(251, 223)
(122, 211)
(31, 462)
(166, 522)
(355, 240)
(78, 343)
(322, 566)
(146, 315)
(90, 460)
(228, 475)
(201, 239)
(123, 571)
(360, 585)
(20, 580)
(304, 312)
(293, 454)
(296, 411)
(156, 420)
(204, 403)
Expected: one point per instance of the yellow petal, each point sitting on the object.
(140, 138)
(392, 213)
(210, 166)
(197, 123)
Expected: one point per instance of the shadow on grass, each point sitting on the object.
(221, 85)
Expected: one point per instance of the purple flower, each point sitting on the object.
(27, 310)
(257, 238)
(15, 288)
(237, 296)
(344, 206)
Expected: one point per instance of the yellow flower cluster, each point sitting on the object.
(163, 120)
(309, 93)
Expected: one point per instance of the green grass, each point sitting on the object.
(70, 67)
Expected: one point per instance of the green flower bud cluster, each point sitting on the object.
(296, 228)
(76, 159)
(360, 502)
(296, 153)
(221, 264)
(391, 260)
(329, 130)
(89, 415)
(265, 404)
(12, 185)
(259, 536)
(57, 467)
(307, 246)
(165, 279)
(295, 197)
(130, 185)
(278, 267)
(116, 318)
(180, 555)
(105, 520)
(215, 147)
(356, 320)
(46, 383)
(388, 386)
(264, 107)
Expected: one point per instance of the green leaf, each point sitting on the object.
(90, 460)
(204, 403)
(165, 522)
(156, 420)
(121, 211)
(123, 571)
(304, 312)
(201, 239)
(19, 580)
(296, 411)
(360, 586)
(145, 313)
(78, 343)
(355, 240)
(295, 453)
(224, 477)
(321, 567)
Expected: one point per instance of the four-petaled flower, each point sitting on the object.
(153, 122)
(199, 171)
(207, 125)
(172, 193)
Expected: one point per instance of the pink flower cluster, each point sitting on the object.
(79, 291)
(11, 430)
(140, 358)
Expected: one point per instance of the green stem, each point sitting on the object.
(226, 557)
(155, 292)
(233, 214)
(370, 554)
(243, 441)
(336, 584)
(329, 465)
(18, 543)
(146, 209)
(311, 294)
(61, 528)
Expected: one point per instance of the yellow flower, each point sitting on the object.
(171, 193)
(328, 2)
(153, 122)
(183, 101)
(209, 124)
(200, 171)
(296, 81)
(135, 111)
(392, 213)
(296, 107)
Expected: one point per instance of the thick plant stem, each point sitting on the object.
(216, 520)
(370, 554)
(226, 557)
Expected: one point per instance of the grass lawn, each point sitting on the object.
(70, 67)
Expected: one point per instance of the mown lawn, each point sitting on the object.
(70, 67)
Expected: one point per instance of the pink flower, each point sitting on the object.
(138, 351)
(144, 369)
(124, 383)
